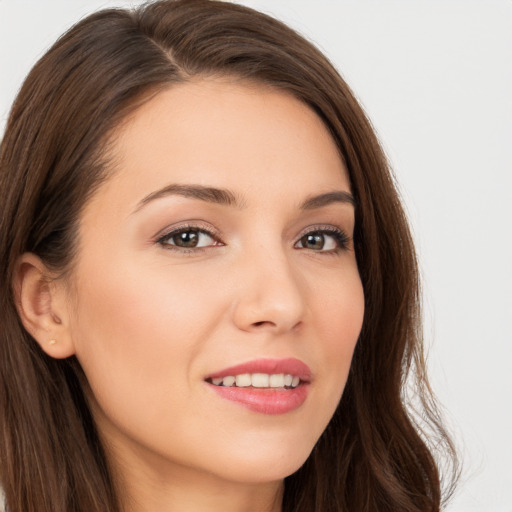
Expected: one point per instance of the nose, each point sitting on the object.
(271, 296)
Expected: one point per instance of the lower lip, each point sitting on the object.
(265, 401)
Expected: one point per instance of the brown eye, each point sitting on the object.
(313, 241)
(324, 240)
(188, 239)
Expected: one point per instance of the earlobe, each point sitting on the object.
(42, 306)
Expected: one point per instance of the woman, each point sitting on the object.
(211, 293)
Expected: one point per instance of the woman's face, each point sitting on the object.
(223, 238)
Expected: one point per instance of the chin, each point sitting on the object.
(261, 467)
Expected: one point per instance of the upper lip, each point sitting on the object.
(289, 366)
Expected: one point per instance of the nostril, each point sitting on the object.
(263, 322)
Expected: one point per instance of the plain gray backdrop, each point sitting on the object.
(435, 77)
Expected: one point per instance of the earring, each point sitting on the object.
(52, 342)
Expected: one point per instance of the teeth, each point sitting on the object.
(277, 381)
(243, 381)
(228, 381)
(258, 380)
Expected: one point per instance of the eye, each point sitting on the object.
(188, 238)
(324, 240)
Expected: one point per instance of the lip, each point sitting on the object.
(289, 366)
(266, 400)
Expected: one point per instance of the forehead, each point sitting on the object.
(225, 133)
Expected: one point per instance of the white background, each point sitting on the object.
(436, 79)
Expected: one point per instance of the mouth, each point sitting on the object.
(268, 386)
(257, 381)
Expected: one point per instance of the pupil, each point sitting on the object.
(315, 241)
(187, 239)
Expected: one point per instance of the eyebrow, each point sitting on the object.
(226, 197)
(336, 196)
(209, 194)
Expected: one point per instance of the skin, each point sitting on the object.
(149, 322)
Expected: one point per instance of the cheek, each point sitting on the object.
(338, 320)
(138, 331)
(343, 320)
(338, 310)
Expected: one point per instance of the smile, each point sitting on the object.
(267, 386)
(258, 380)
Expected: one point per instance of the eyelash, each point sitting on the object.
(184, 229)
(341, 238)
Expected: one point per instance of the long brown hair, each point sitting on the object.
(373, 456)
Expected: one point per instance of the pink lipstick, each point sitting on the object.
(268, 386)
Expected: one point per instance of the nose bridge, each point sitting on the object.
(270, 293)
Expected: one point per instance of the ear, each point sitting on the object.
(43, 306)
